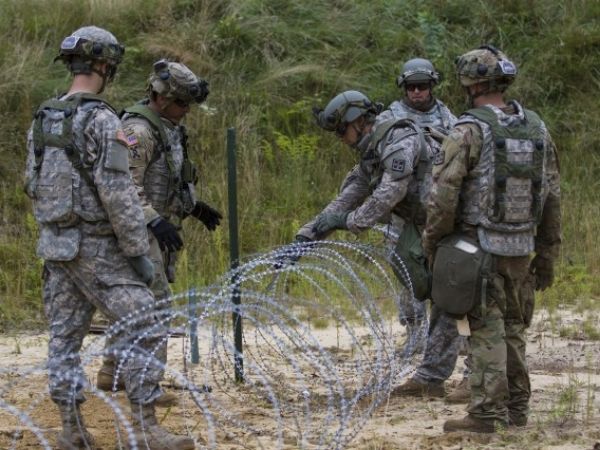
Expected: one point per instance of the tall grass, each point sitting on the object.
(268, 62)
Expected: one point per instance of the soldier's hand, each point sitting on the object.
(292, 253)
(144, 268)
(166, 234)
(330, 221)
(207, 215)
(543, 270)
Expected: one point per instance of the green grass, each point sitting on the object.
(268, 62)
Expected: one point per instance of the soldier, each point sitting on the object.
(93, 239)
(390, 183)
(165, 179)
(495, 200)
(418, 78)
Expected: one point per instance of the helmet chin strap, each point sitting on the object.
(104, 75)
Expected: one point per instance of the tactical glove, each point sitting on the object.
(330, 221)
(144, 267)
(543, 270)
(166, 234)
(207, 215)
(291, 254)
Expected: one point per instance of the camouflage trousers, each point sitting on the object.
(100, 277)
(500, 384)
(443, 345)
(161, 290)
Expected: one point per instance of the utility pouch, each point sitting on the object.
(460, 273)
(409, 250)
(189, 173)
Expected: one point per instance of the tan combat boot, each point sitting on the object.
(473, 425)
(461, 393)
(74, 435)
(414, 388)
(149, 435)
(105, 381)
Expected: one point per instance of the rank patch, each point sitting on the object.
(398, 165)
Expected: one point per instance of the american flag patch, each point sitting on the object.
(131, 140)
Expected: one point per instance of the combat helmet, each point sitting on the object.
(486, 64)
(175, 81)
(418, 70)
(89, 44)
(343, 109)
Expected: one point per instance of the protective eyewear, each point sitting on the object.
(420, 86)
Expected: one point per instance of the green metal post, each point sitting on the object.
(234, 253)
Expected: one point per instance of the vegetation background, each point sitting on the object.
(268, 62)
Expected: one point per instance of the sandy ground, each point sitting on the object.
(565, 405)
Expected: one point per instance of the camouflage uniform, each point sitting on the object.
(499, 382)
(157, 156)
(443, 341)
(86, 254)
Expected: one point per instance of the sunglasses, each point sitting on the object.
(181, 103)
(420, 86)
(340, 131)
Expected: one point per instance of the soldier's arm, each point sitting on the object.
(458, 150)
(354, 189)
(399, 155)
(114, 184)
(548, 238)
(142, 144)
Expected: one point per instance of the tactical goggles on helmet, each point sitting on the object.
(78, 46)
(184, 94)
(339, 119)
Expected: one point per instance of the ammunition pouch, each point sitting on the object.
(410, 252)
(461, 270)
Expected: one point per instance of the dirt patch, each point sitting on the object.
(565, 408)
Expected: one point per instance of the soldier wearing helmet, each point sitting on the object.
(93, 237)
(388, 185)
(417, 80)
(165, 178)
(496, 193)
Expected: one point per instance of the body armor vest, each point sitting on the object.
(438, 117)
(170, 175)
(412, 207)
(61, 181)
(503, 194)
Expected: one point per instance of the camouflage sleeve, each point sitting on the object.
(142, 144)
(548, 238)
(399, 155)
(114, 185)
(459, 151)
(354, 189)
(29, 167)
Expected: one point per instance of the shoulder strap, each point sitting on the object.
(65, 140)
(153, 118)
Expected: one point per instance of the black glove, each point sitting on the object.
(166, 234)
(291, 253)
(144, 267)
(330, 221)
(543, 270)
(207, 215)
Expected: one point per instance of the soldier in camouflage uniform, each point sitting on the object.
(93, 239)
(418, 79)
(497, 184)
(389, 185)
(165, 179)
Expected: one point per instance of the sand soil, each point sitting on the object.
(565, 405)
